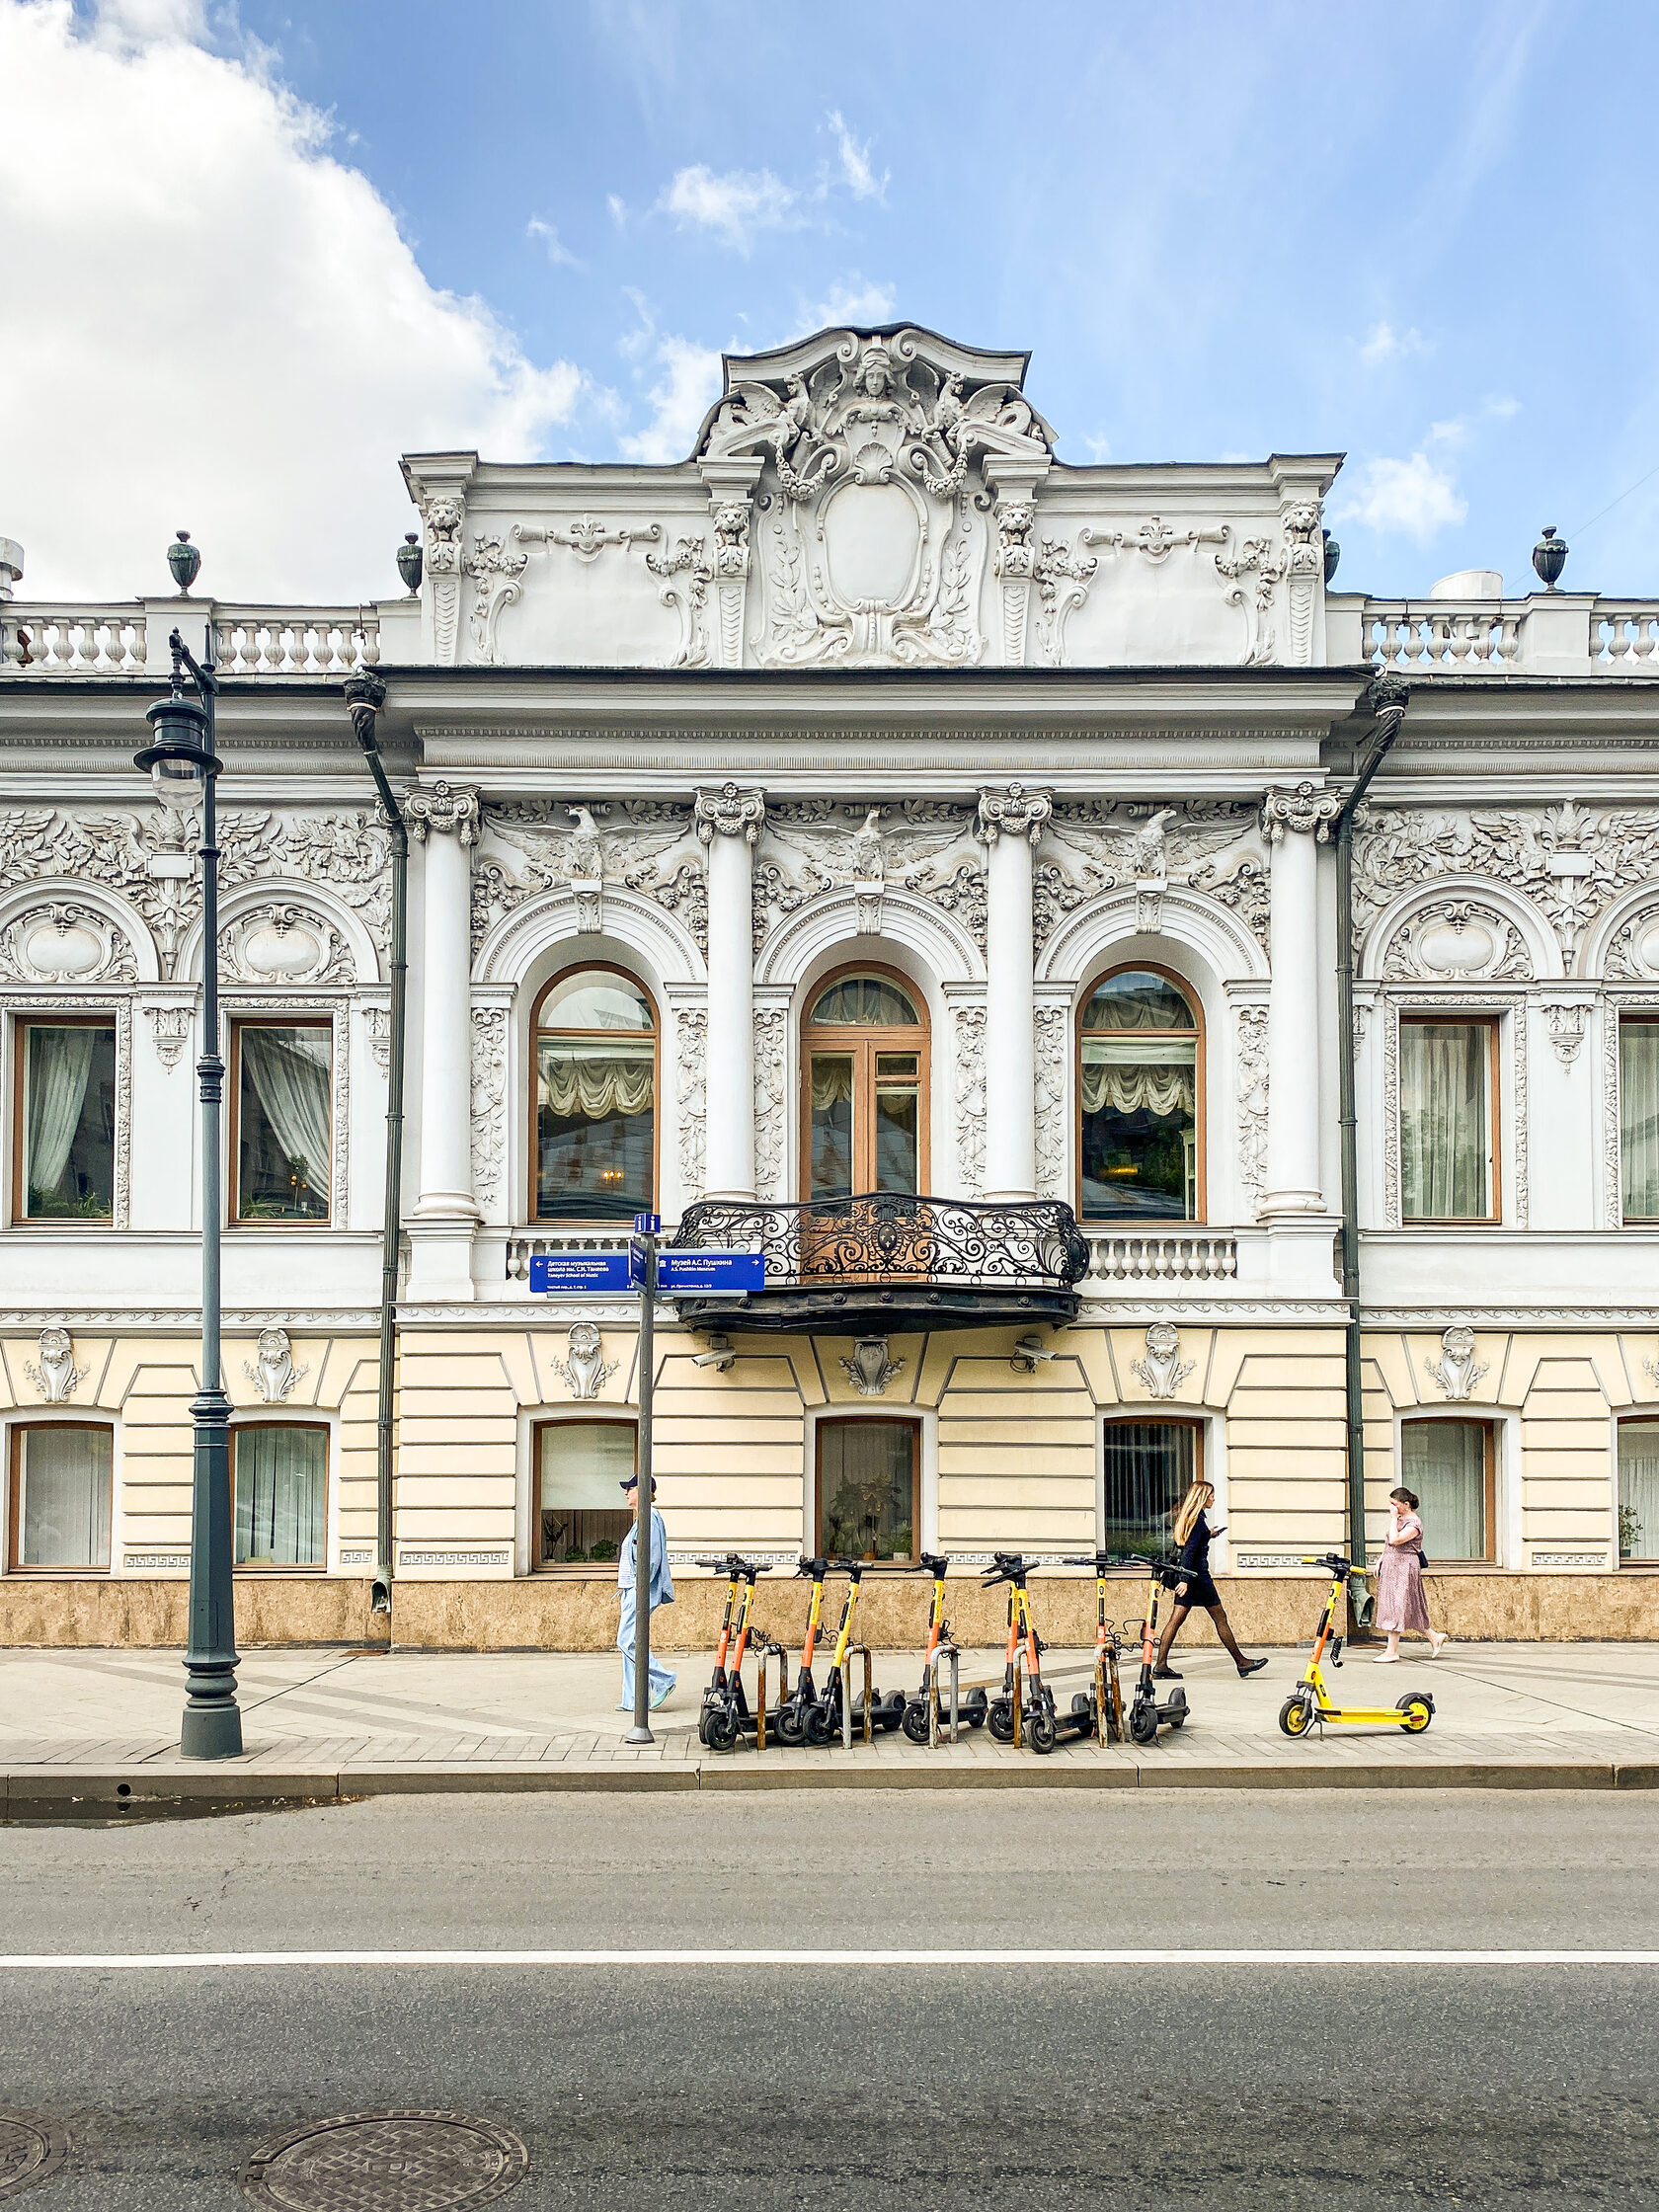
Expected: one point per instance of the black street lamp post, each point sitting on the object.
(182, 758)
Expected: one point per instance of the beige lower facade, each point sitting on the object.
(1007, 1452)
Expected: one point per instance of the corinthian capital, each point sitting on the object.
(442, 808)
(1014, 813)
(1303, 808)
(730, 813)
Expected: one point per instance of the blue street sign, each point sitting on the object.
(684, 1274)
(647, 1224)
(581, 1271)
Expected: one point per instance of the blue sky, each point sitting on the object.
(1420, 235)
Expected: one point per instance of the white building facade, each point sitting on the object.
(877, 843)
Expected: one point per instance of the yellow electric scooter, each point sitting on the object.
(1309, 1701)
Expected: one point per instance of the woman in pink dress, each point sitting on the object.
(1400, 1603)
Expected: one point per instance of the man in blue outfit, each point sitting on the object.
(662, 1593)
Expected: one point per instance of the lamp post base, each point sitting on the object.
(212, 1731)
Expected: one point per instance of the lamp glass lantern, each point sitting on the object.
(179, 760)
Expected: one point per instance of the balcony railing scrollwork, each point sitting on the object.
(885, 1260)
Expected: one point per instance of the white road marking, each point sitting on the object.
(126, 1962)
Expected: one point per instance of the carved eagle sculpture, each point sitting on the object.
(1165, 846)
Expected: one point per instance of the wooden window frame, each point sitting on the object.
(1456, 1018)
(234, 1219)
(1135, 1419)
(23, 1020)
(864, 1042)
(838, 1420)
(1104, 1224)
(269, 1567)
(1629, 1421)
(1623, 1014)
(589, 1416)
(533, 1195)
(14, 1499)
(1489, 1449)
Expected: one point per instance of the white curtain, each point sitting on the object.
(594, 1081)
(1132, 1075)
(63, 1513)
(1445, 1465)
(832, 1081)
(279, 1489)
(290, 1072)
(1638, 1116)
(1639, 1490)
(1443, 1117)
(60, 1062)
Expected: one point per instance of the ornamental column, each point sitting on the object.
(444, 823)
(1295, 822)
(1010, 822)
(730, 822)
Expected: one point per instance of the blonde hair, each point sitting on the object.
(1199, 1495)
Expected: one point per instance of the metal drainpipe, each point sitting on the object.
(366, 695)
(1387, 696)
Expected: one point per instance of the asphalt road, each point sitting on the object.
(930, 2086)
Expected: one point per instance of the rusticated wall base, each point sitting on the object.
(559, 1614)
(554, 1614)
(123, 1611)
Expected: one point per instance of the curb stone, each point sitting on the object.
(59, 1796)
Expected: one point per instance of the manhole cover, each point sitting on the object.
(30, 2150)
(388, 2162)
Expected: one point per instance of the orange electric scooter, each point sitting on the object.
(1099, 1710)
(1037, 1711)
(1145, 1716)
(918, 1712)
(726, 1710)
(791, 1719)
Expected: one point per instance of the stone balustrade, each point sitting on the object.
(294, 640)
(44, 640)
(1181, 1256)
(1549, 633)
(523, 1245)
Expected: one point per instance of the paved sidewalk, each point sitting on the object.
(93, 1734)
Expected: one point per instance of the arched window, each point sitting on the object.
(864, 1071)
(1140, 1091)
(593, 1099)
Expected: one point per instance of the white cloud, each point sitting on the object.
(618, 209)
(860, 178)
(851, 304)
(688, 388)
(557, 251)
(1382, 343)
(736, 206)
(1099, 450)
(212, 323)
(1414, 498)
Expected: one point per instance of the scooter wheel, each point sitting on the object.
(703, 1725)
(722, 1731)
(1142, 1724)
(890, 1710)
(976, 1708)
(788, 1727)
(1083, 1705)
(1294, 1717)
(816, 1731)
(1040, 1732)
(1000, 1718)
(1176, 1710)
(1418, 1713)
(914, 1722)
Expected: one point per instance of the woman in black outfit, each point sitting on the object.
(1191, 1534)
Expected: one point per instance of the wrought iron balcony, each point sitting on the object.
(885, 1261)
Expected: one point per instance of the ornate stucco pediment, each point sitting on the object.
(877, 455)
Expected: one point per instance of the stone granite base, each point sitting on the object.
(579, 1614)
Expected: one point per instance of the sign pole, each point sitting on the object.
(645, 1245)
